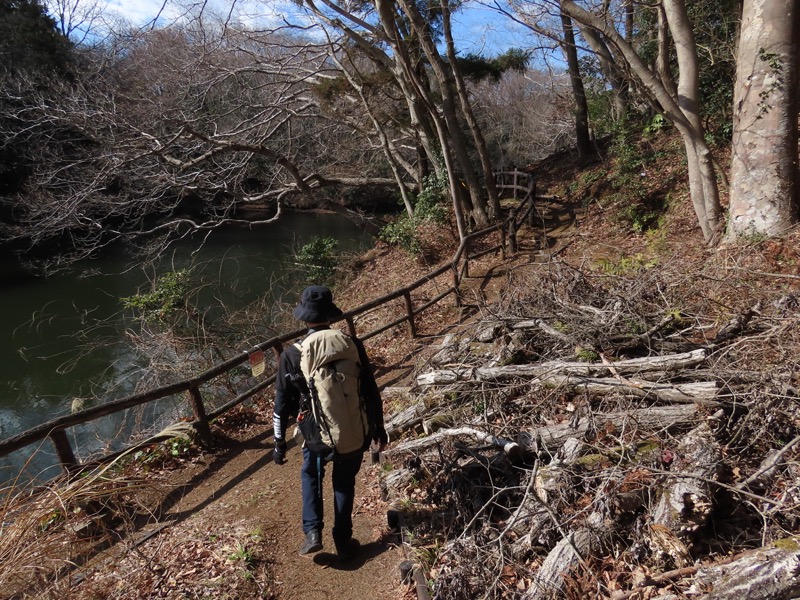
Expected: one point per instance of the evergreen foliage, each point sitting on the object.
(318, 261)
(479, 68)
(168, 295)
(429, 207)
(30, 42)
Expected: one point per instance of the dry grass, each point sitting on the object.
(48, 530)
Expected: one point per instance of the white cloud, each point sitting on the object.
(476, 28)
(138, 12)
(253, 13)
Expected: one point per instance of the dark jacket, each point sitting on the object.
(287, 394)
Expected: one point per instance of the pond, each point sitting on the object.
(67, 338)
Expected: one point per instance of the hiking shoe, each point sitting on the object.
(312, 543)
(347, 550)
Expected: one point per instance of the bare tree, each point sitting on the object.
(380, 107)
(78, 20)
(182, 130)
(526, 116)
(557, 26)
(437, 103)
(584, 144)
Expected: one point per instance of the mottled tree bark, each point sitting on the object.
(764, 158)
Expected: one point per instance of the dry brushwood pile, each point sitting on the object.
(611, 434)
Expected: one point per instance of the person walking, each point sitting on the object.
(349, 430)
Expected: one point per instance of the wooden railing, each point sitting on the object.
(520, 183)
(55, 429)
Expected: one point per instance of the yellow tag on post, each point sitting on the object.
(257, 363)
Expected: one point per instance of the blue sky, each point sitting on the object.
(477, 29)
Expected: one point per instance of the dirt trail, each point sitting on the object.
(240, 484)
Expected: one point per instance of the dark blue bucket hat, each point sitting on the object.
(316, 305)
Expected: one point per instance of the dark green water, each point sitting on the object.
(67, 336)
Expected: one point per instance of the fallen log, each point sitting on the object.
(542, 325)
(549, 439)
(700, 392)
(511, 449)
(567, 556)
(408, 418)
(686, 502)
(394, 483)
(532, 520)
(768, 466)
(667, 363)
(765, 574)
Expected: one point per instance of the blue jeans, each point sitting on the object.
(345, 469)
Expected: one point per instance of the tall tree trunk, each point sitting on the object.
(454, 136)
(702, 175)
(629, 20)
(611, 71)
(662, 59)
(469, 116)
(583, 139)
(764, 166)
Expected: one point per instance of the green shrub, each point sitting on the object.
(318, 261)
(402, 233)
(639, 217)
(168, 295)
(429, 203)
(428, 208)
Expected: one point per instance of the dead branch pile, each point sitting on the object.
(597, 436)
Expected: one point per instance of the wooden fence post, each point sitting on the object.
(516, 175)
(531, 197)
(412, 328)
(351, 326)
(202, 427)
(64, 451)
(512, 230)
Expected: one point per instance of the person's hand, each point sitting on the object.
(279, 454)
(380, 440)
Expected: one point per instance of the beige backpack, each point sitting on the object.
(330, 364)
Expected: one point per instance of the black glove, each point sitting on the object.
(380, 438)
(279, 454)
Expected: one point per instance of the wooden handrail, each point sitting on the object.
(521, 181)
(54, 429)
